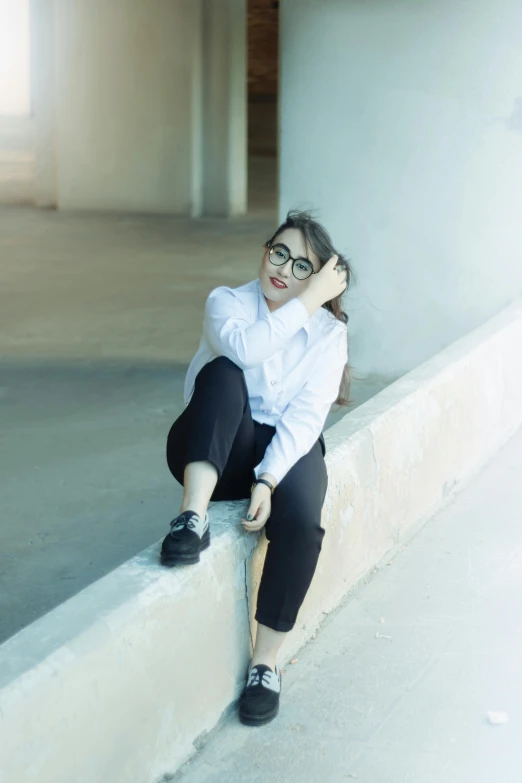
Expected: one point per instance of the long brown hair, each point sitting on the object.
(318, 240)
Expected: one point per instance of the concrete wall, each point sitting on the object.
(118, 683)
(402, 123)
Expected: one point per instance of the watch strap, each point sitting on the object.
(263, 481)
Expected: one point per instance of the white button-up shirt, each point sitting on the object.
(292, 362)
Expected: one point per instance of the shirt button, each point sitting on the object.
(273, 383)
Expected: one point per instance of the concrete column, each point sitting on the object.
(402, 123)
(224, 134)
(43, 108)
(124, 105)
(140, 105)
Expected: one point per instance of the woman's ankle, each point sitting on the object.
(199, 481)
(268, 660)
(199, 508)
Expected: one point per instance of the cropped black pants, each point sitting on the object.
(217, 426)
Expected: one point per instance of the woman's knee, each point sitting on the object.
(221, 365)
(223, 380)
(302, 492)
(298, 520)
(220, 373)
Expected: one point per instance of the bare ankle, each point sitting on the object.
(264, 659)
(199, 508)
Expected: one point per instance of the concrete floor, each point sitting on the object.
(100, 316)
(398, 684)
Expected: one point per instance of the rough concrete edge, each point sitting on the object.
(399, 392)
(142, 576)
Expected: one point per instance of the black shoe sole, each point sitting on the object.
(181, 558)
(258, 720)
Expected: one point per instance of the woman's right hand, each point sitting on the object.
(327, 284)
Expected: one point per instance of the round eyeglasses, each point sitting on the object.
(279, 254)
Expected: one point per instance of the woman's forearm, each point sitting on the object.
(311, 301)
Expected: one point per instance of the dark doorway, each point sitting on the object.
(263, 83)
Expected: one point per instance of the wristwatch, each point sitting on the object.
(262, 481)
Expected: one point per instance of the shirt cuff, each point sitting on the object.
(277, 473)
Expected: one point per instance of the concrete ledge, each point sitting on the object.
(117, 683)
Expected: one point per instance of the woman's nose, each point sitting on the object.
(286, 269)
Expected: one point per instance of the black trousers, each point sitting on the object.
(217, 426)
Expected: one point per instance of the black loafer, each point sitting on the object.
(189, 535)
(259, 702)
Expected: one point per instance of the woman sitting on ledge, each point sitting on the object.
(272, 360)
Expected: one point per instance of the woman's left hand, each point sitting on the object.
(259, 509)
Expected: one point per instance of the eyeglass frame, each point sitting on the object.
(270, 246)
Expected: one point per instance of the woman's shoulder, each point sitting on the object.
(243, 294)
(238, 292)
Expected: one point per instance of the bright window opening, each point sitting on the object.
(14, 58)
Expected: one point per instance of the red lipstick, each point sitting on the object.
(277, 283)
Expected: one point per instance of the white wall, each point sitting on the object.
(402, 122)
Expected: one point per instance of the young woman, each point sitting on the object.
(271, 361)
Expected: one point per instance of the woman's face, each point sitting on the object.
(278, 283)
